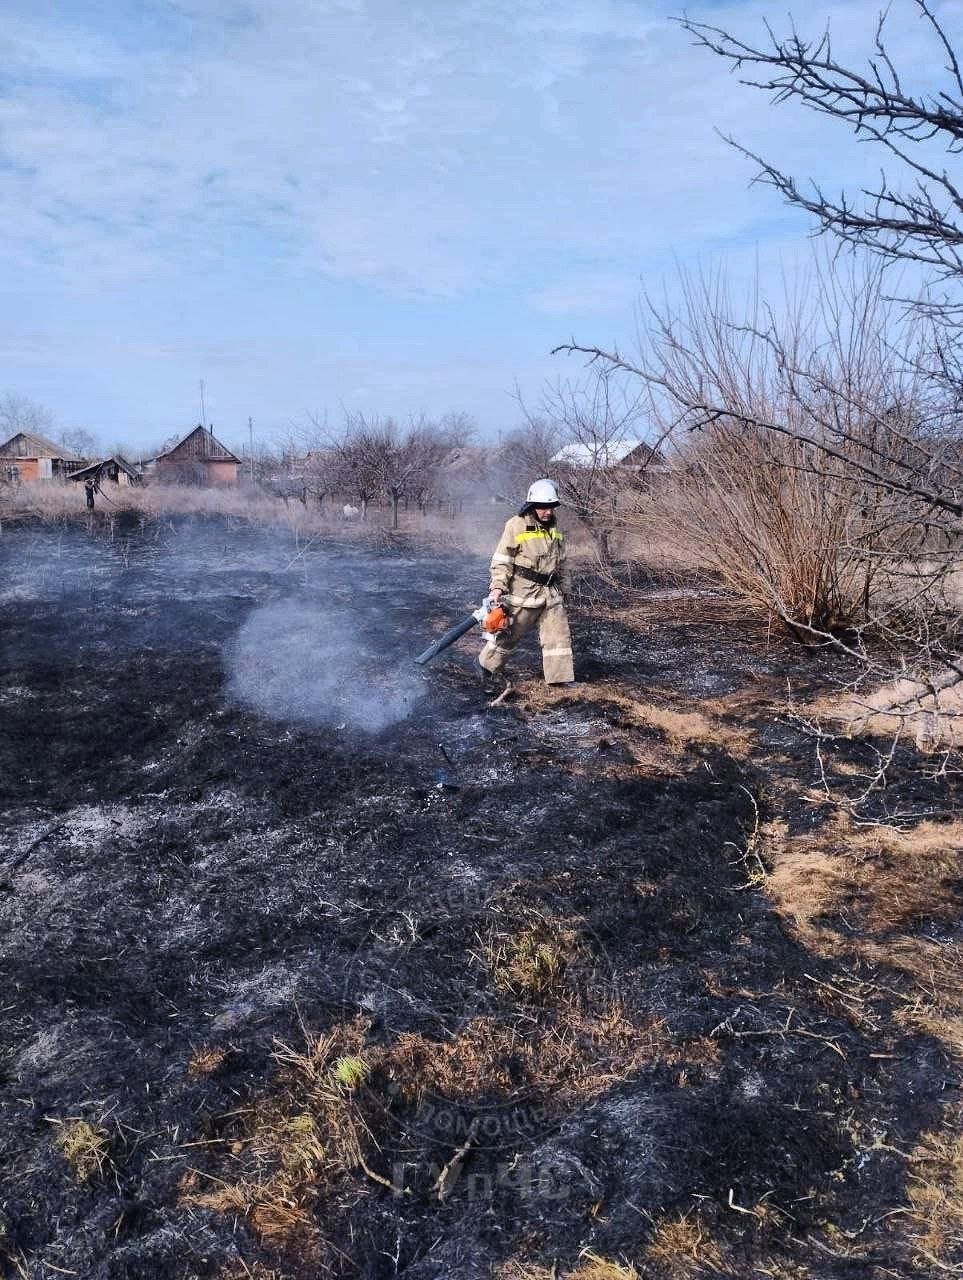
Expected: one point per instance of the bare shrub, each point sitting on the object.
(816, 464)
(819, 454)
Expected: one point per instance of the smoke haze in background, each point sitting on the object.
(304, 663)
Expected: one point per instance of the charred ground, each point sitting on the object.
(287, 992)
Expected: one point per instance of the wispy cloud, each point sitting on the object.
(495, 152)
(585, 293)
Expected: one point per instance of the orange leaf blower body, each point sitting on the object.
(493, 619)
(496, 620)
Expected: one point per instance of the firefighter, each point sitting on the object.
(529, 578)
(90, 488)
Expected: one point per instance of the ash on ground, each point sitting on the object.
(275, 1003)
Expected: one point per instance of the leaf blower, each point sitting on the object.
(490, 614)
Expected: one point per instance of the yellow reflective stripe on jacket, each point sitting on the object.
(553, 534)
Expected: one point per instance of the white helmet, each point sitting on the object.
(542, 494)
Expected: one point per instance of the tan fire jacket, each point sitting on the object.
(529, 563)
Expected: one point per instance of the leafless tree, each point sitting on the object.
(401, 461)
(427, 449)
(353, 466)
(375, 457)
(579, 435)
(318, 473)
(527, 452)
(305, 464)
(19, 413)
(457, 428)
(921, 222)
(80, 441)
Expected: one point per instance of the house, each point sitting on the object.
(197, 459)
(634, 455)
(26, 457)
(115, 470)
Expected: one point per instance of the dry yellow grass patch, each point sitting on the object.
(933, 719)
(84, 1146)
(935, 1005)
(680, 729)
(280, 1219)
(935, 1190)
(885, 883)
(892, 880)
(205, 1061)
(682, 1248)
(593, 1267)
(806, 883)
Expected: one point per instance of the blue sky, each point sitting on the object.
(395, 207)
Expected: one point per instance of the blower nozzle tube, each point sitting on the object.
(448, 638)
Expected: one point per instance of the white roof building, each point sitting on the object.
(608, 453)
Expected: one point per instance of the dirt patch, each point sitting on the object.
(310, 998)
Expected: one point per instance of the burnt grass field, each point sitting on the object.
(315, 964)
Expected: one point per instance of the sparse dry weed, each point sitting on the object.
(85, 1146)
(782, 1269)
(279, 1219)
(592, 1266)
(577, 1054)
(322, 1121)
(531, 963)
(682, 1248)
(205, 1061)
(242, 1270)
(305, 1134)
(935, 1191)
(515, 1270)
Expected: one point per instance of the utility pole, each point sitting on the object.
(250, 432)
(203, 410)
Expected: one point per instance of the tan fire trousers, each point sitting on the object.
(553, 635)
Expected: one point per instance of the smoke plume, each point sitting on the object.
(290, 661)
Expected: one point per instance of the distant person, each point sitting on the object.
(90, 488)
(530, 580)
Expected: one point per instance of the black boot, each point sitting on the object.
(492, 682)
